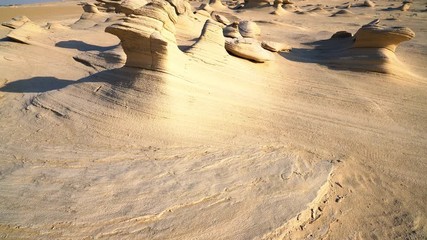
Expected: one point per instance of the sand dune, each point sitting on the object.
(154, 120)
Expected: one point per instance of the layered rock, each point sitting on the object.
(232, 30)
(16, 22)
(148, 38)
(210, 46)
(275, 46)
(374, 36)
(129, 6)
(371, 49)
(248, 49)
(249, 29)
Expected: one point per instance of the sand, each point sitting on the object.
(179, 139)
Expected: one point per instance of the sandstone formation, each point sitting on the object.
(129, 6)
(405, 7)
(232, 30)
(368, 3)
(343, 13)
(90, 8)
(256, 3)
(16, 22)
(249, 29)
(220, 18)
(216, 4)
(210, 46)
(374, 36)
(148, 38)
(248, 49)
(275, 46)
(278, 9)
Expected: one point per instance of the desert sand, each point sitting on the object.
(168, 119)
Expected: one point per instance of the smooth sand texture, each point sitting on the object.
(145, 127)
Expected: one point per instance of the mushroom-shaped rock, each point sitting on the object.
(275, 46)
(90, 8)
(148, 40)
(210, 46)
(16, 22)
(374, 36)
(249, 29)
(232, 30)
(248, 49)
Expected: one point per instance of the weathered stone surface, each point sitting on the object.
(90, 8)
(16, 22)
(248, 49)
(249, 29)
(275, 46)
(374, 36)
(148, 38)
(232, 31)
(129, 6)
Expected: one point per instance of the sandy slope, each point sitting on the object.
(230, 149)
